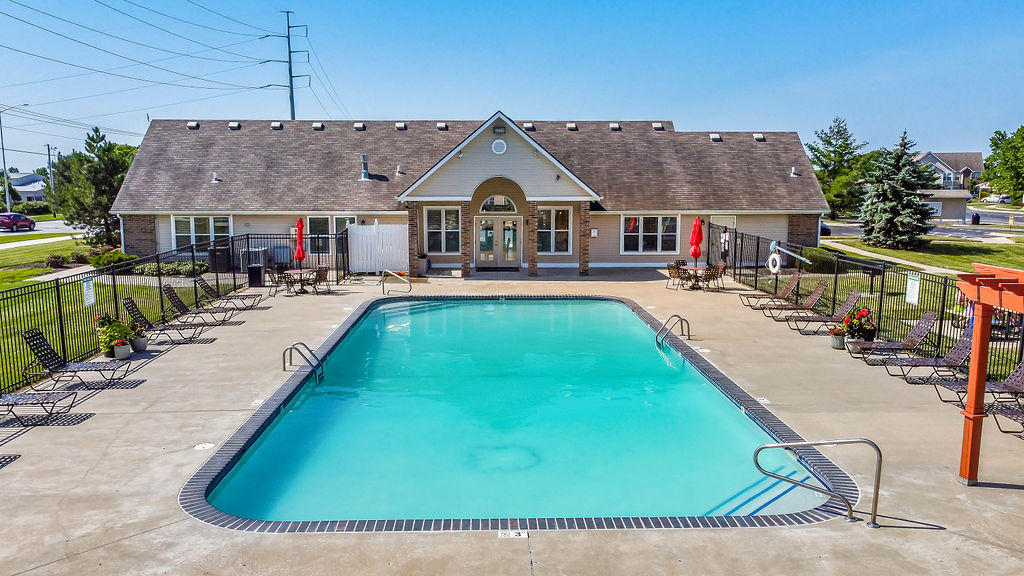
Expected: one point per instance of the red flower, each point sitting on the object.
(847, 319)
(863, 312)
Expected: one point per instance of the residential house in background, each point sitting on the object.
(953, 170)
(30, 186)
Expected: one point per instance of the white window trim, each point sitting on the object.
(192, 226)
(641, 251)
(443, 230)
(552, 252)
(330, 228)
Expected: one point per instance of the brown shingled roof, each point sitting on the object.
(960, 160)
(299, 168)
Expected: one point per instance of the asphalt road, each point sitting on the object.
(47, 226)
(997, 217)
(946, 230)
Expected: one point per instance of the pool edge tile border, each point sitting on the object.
(192, 498)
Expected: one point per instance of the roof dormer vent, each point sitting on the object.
(571, 126)
(192, 125)
(359, 126)
(498, 129)
(365, 176)
(276, 126)
(442, 125)
(529, 127)
(715, 137)
(318, 126)
(658, 126)
(614, 127)
(400, 126)
(759, 137)
(234, 126)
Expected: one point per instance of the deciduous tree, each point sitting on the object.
(1004, 168)
(834, 156)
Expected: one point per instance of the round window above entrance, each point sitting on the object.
(498, 203)
(499, 146)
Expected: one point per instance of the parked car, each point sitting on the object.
(825, 230)
(996, 199)
(15, 222)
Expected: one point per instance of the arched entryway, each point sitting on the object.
(498, 210)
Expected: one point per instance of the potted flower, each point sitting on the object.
(112, 332)
(860, 326)
(122, 349)
(138, 338)
(838, 335)
(101, 322)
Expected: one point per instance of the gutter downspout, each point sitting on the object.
(120, 224)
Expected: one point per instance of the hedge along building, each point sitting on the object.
(493, 195)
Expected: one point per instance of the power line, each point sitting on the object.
(172, 33)
(330, 87)
(169, 104)
(236, 21)
(129, 58)
(324, 108)
(182, 20)
(24, 151)
(32, 115)
(42, 133)
(122, 38)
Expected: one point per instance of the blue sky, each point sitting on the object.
(951, 73)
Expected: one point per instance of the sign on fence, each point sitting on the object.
(88, 292)
(913, 288)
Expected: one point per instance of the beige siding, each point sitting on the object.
(954, 209)
(269, 224)
(605, 249)
(773, 226)
(163, 233)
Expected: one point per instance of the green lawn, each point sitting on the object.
(46, 217)
(16, 278)
(955, 255)
(21, 237)
(39, 252)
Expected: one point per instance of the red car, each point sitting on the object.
(16, 222)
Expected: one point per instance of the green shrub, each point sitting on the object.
(172, 269)
(111, 258)
(79, 257)
(55, 261)
(97, 250)
(32, 208)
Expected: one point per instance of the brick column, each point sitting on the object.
(414, 236)
(531, 238)
(139, 235)
(465, 237)
(584, 244)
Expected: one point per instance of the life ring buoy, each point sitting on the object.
(774, 263)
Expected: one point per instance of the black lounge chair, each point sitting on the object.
(752, 299)
(188, 315)
(863, 348)
(246, 300)
(62, 371)
(51, 403)
(945, 367)
(802, 320)
(1010, 390)
(193, 329)
(774, 311)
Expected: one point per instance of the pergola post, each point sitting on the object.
(974, 405)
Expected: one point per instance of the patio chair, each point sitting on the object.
(62, 371)
(188, 315)
(941, 367)
(712, 276)
(802, 320)
(751, 299)
(775, 310)
(51, 403)
(675, 279)
(154, 330)
(320, 280)
(863, 348)
(248, 300)
(273, 280)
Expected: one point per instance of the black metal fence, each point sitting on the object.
(896, 295)
(65, 308)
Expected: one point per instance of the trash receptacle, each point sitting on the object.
(422, 264)
(255, 276)
(975, 219)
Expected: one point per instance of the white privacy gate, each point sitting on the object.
(375, 247)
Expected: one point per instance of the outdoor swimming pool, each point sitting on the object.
(504, 409)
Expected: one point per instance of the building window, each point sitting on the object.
(650, 234)
(554, 231)
(343, 222)
(318, 229)
(498, 203)
(443, 234)
(201, 230)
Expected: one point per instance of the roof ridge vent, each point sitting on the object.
(234, 126)
(400, 126)
(571, 126)
(442, 125)
(759, 137)
(276, 126)
(614, 127)
(192, 125)
(658, 126)
(715, 137)
(529, 127)
(318, 126)
(359, 126)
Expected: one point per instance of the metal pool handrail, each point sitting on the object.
(384, 276)
(306, 352)
(849, 507)
(667, 328)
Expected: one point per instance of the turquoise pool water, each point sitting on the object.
(507, 408)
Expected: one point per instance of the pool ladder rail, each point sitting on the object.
(385, 274)
(666, 329)
(308, 356)
(873, 523)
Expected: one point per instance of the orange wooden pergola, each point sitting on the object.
(991, 287)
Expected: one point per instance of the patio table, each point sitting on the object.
(304, 276)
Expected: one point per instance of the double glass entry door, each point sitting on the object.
(498, 242)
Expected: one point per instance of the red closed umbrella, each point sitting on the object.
(696, 237)
(300, 252)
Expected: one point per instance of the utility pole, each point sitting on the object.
(3, 153)
(49, 170)
(288, 40)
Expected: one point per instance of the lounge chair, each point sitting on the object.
(188, 315)
(320, 279)
(863, 348)
(154, 330)
(803, 319)
(246, 300)
(51, 403)
(1010, 390)
(751, 299)
(62, 371)
(944, 367)
(775, 310)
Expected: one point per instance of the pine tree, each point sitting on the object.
(893, 214)
(834, 156)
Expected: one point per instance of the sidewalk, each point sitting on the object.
(876, 256)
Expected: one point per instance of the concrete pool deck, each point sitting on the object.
(100, 496)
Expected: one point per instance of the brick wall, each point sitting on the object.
(803, 229)
(584, 244)
(531, 238)
(414, 237)
(466, 237)
(139, 234)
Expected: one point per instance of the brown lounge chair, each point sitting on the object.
(1007, 398)
(62, 371)
(193, 329)
(189, 316)
(863, 348)
(247, 300)
(802, 320)
(775, 311)
(51, 403)
(752, 299)
(945, 367)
